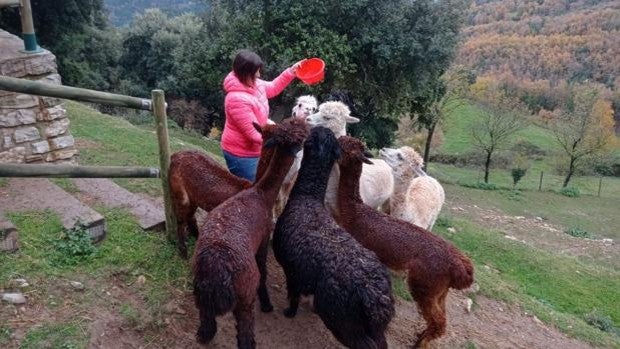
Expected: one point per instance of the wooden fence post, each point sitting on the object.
(540, 183)
(159, 109)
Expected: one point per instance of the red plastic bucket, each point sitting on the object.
(311, 71)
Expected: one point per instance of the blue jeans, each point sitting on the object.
(241, 167)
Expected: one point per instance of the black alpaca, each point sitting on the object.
(352, 289)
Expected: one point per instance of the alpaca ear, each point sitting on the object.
(364, 158)
(418, 171)
(257, 127)
(351, 119)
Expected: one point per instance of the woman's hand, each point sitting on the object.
(296, 66)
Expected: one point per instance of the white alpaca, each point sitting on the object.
(417, 200)
(304, 106)
(376, 181)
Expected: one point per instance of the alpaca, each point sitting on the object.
(351, 288)
(434, 265)
(377, 182)
(416, 200)
(197, 180)
(229, 262)
(304, 106)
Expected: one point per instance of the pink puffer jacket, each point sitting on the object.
(244, 105)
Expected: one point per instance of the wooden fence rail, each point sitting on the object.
(157, 104)
(74, 93)
(72, 171)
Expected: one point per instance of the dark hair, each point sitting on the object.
(245, 66)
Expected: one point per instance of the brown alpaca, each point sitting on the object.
(229, 262)
(197, 180)
(434, 265)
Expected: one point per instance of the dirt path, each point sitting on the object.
(491, 324)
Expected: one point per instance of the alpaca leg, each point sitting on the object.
(207, 328)
(244, 316)
(380, 341)
(433, 311)
(261, 261)
(293, 297)
(181, 234)
(185, 220)
(193, 226)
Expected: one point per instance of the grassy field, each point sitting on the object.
(560, 290)
(458, 125)
(107, 140)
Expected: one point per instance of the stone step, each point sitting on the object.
(149, 214)
(39, 194)
(8, 236)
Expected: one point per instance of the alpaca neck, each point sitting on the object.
(271, 181)
(401, 185)
(312, 178)
(264, 161)
(349, 186)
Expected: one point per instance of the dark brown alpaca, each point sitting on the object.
(197, 180)
(229, 259)
(434, 265)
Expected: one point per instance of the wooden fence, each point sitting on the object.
(156, 104)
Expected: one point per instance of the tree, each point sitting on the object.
(386, 54)
(501, 116)
(447, 96)
(76, 32)
(584, 128)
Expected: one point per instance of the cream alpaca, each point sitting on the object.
(304, 106)
(416, 200)
(376, 182)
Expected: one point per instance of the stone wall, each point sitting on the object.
(33, 129)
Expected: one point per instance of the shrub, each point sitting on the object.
(74, 244)
(571, 192)
(515, 195)
(520, 166)
(601, 321)
(444, 221)
(578, 232)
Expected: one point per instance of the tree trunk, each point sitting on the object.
(427, 146)
(487, 165)
(571, 170)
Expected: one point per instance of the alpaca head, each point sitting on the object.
(333, 115)
(305, 106)
(354, 152)
(323, 145)
(289, 134)
(404, 161)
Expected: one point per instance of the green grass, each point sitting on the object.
(587, 185)
(458, 125)
(558, 289)
(125, 253)
(66, 184)
(598, 216)
(109, 140)
(56, 336)
(5, 334)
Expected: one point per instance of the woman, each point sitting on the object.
(247, 102)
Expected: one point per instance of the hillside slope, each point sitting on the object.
(121, 12)
(544, 39)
